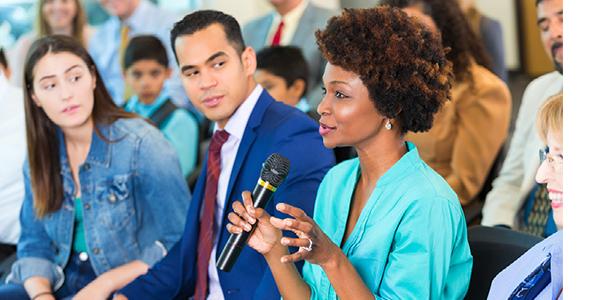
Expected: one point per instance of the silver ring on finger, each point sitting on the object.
(310, 244)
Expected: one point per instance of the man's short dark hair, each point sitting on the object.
(3, 61)
(201, 19)
(145, 47)
(284, 61)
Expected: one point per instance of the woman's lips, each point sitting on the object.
(70, 109)
(324, 129)
(556, 200)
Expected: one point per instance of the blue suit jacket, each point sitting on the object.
(272, 127)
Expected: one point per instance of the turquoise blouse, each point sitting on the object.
(181, 129)
(410, 241)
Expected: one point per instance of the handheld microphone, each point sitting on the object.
(273, 172)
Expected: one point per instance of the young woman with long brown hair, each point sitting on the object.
(98, 183)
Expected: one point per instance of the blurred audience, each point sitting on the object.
(469, 131)
(490, 33)
(538, 274)
(52, 17)
(283, 72)
(386, 226)
(146, 68)
(99, 184)
(128, 19)
(293, 22)
(12, 157)
(515, 200)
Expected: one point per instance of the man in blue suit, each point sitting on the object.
(217, 73)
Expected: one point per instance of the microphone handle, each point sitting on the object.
(236, 242)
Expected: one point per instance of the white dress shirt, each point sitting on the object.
(235, 127)
(13, 150)
(290, 21)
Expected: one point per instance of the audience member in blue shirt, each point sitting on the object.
(131, 18)
(146, 67)
(283, 72)
(386, 226)
(538, 274)
(94, 173)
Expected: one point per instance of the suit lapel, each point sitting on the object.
(247, 140)
(265, 31)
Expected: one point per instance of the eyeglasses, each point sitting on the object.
(553, 160)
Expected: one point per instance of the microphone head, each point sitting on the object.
(275, 169)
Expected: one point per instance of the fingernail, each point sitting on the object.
(288, 222)
(248, 227)
(252, 220)
(285, 241)
(284, 260)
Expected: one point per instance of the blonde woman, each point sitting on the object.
(544, 260)
(66, 17)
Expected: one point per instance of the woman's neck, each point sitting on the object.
(64, 31)
(79, 138)
(378, 156)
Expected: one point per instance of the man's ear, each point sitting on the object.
(249, 61)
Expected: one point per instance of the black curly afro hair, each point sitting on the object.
(402, 64)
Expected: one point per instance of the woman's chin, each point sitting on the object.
(557, 213)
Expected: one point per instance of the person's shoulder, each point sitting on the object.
(484, 77)
(258, 22)
(487, 82)
(103, 32)
(319, 11)
(184, 117)
(287, 118)
(546, 81)
(490, 24)
(339, 176)
(136, 128)
(425, 187)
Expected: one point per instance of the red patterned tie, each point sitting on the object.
(205, 239)
(277, 36)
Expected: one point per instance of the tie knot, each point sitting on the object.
(218, 139)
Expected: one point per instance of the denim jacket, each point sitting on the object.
(134, 200)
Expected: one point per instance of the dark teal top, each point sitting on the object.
(79, 235)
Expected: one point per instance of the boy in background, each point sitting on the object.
(283, 72)
(146, 68)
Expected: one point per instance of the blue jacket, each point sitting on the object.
(128, 188)
(272, 127)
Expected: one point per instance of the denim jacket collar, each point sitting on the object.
(100, 150)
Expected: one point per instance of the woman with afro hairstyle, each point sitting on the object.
(386, 225)
(469, 131)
